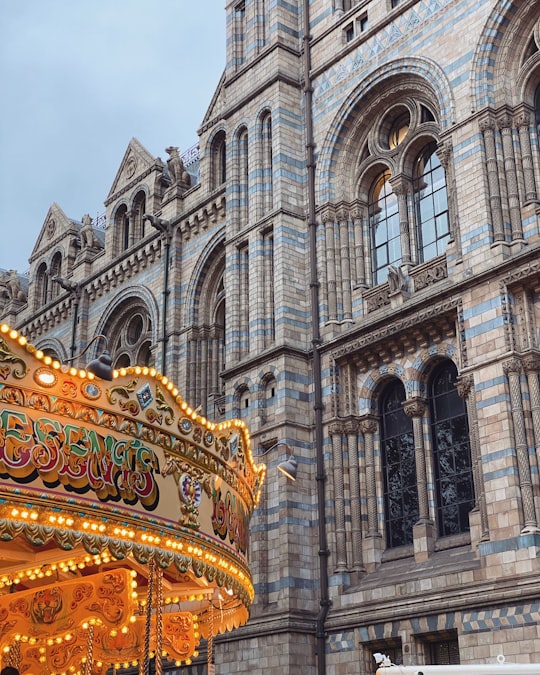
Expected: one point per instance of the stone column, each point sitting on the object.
(359, 259)
(487, 127)
(369, 426)
(505, 126)
(330, 257)
(531, 363)
(336, 434)
(445, 153)
(351, 429)
(401, 190)
(423, 530)
(346, 282)
(512, 369)
(480, 530)
(523, 123)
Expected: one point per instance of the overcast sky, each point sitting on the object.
(79, 79)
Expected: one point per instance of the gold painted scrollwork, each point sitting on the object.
(11, 363)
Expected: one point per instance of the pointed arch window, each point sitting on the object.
(399, 468)
(121, 226)
(243, 174)
(56, 271)
(451, 452)
(431, 202)
(267, 162)
(139, 208)
(384, 227)
(42, 279)
(219, 163)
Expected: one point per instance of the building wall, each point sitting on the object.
(239, 336)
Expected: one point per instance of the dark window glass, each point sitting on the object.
(430, 197)
(444, 653)
(399, 468)
(452, 455)
(384, 224)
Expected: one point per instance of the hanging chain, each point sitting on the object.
(159, 619)
(144, 663)
(89, 650)
(210, 647)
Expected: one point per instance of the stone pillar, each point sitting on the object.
(423, 530)
(336, 434)
(445, 153)
(531, 363)
(351, 429)
(369, 426)
(330, 257)
(505, 126)
(480, 530)
(401, 190)
(487, 128)
(512, 369)
(346, 281)
(358, 262)
(523, 123)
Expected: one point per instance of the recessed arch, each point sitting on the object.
(425, 82)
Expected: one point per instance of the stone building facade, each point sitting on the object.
(350, 263)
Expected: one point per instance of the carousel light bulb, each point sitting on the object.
(125, 630)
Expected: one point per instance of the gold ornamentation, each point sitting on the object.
(8, 359)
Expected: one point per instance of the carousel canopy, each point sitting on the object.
(124, 516)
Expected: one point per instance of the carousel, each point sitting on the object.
(124, 519)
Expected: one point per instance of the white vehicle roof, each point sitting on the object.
(500, 668)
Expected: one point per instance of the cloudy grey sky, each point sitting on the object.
(79, 79)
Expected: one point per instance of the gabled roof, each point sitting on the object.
(55, 226)
(136, 160)
(217, 104)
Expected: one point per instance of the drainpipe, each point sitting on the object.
(165, 228)
(75, 291)
(324, 600)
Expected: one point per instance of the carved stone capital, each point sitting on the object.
(487, 124)
(513, 365)
(368, 425)
(342, 213)
(335, 428)
(531, 362)
(464, 385)
(357, 211)
(414, 407)
(351, 426)
(523, 119)
(328, 214)
(444, 153)
(504, 121)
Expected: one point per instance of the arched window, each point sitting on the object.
(451, 452)
(399, 468)
(42, 282)
(139, 208)
(219, 163)
(384, 226)
(130, 335)
(431, 202)
(243, 175)
(121, 226)
(56, 271)
(267, 164)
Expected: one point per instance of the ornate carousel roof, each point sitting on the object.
(124, 517)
